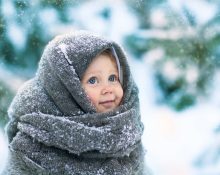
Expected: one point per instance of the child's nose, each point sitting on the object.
(106, 89)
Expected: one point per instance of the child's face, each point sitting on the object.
(101, 83)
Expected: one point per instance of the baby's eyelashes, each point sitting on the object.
(92, 80)
(113, 78)
(97, 80)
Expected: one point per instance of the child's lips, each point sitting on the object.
(107, 103)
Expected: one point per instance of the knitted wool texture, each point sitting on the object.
(54, 128)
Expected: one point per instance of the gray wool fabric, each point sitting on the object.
(55, 129)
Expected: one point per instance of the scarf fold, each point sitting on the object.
(54, 143)
(54, 128)
(113, 136)
(40, 159)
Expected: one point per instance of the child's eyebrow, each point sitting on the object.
(94, 72)
(100, 71)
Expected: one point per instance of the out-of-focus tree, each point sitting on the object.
(185, 56)
(184, 53)
(143, 10)
(210, 157)
(25, 28)
(5, 98)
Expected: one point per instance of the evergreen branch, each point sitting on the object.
(3, 112)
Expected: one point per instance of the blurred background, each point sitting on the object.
(173, 47)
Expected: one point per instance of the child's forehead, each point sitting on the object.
(102, 63)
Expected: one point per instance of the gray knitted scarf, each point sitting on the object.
(54, 128)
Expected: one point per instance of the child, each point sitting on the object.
(79, 114)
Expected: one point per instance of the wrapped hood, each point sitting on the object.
(64, 62)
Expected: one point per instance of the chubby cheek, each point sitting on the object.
(93, 97)
(120, 95)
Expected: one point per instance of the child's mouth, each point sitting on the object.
(108, 103)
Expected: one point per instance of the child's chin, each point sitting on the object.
(106, 110)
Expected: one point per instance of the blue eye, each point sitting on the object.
(112, 78)
(92, 80)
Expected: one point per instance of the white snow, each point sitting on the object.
(174, 140)
(8, 8)
(93, 21)
(202, 10)
(3, 151)
(48, 16)
(63, 48)
(17, 35)
(15, 32)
